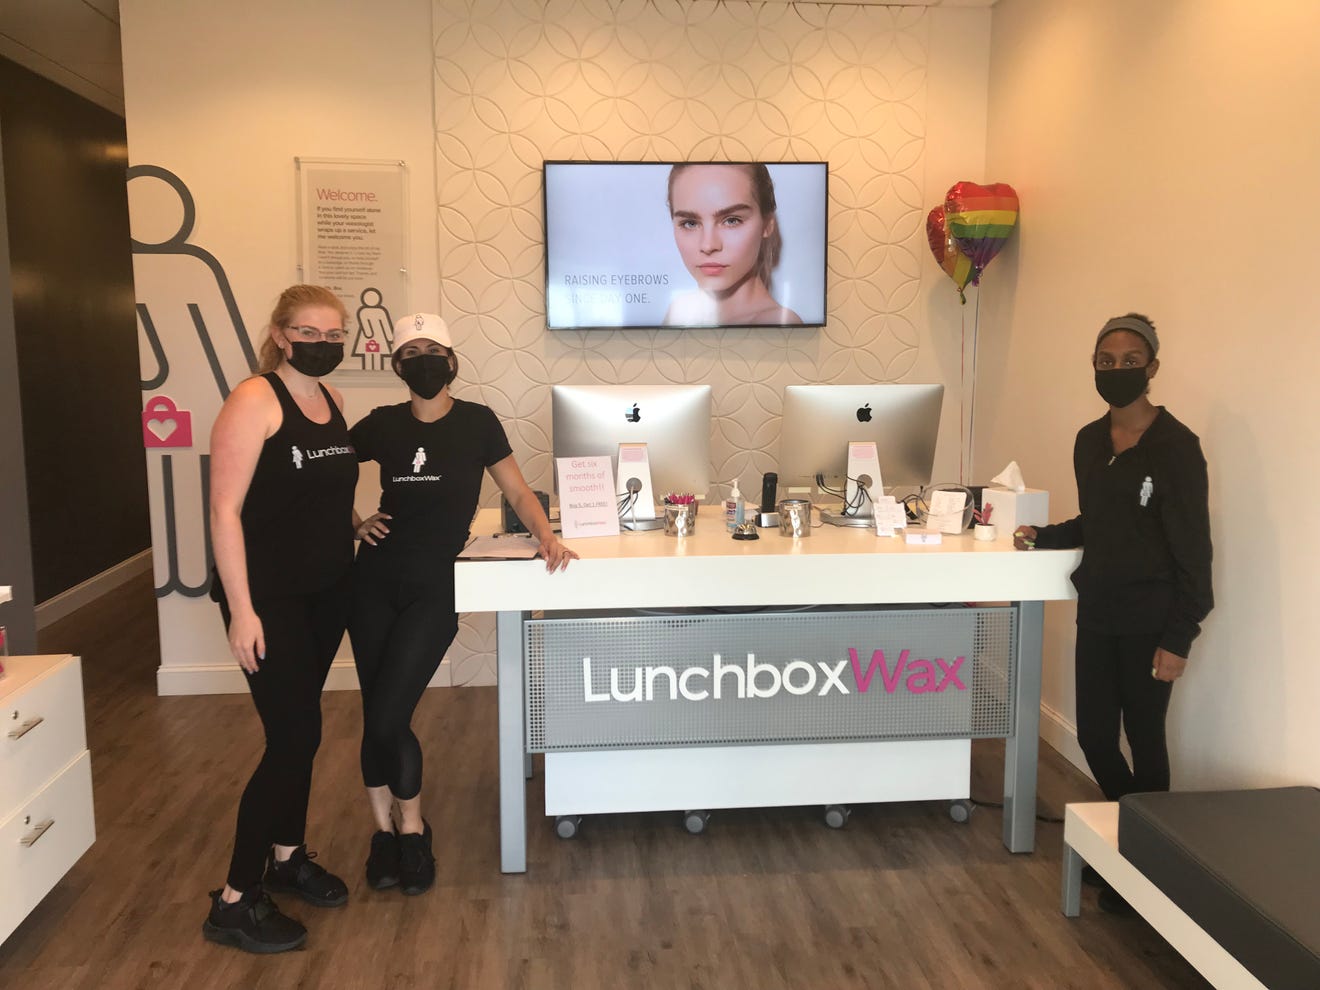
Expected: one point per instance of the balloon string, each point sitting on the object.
(971, 419)
(962, 399)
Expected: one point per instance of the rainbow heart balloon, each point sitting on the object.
(947, 253)
(980, 219)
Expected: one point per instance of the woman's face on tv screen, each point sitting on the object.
(717, 225)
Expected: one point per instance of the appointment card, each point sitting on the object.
(588, 505)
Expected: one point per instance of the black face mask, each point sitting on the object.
(316, 359)
(426, 374)
(1121, 386)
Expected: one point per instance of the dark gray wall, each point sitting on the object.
(15, 554)
(75, 329)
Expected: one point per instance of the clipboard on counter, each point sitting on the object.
(501, 546)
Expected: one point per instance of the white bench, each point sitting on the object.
(1090, 837)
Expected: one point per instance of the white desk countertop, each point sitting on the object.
(6, 593)
(838, 565)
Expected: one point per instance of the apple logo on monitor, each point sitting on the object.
(633, 415)
(864, 414)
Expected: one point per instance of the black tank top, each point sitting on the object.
(298, 513)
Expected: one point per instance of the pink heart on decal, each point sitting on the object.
(162, 428)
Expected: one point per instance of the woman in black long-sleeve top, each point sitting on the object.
(1143, 586)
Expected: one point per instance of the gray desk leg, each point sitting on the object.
(513, 749)
(1022, 748)
(1072, 882)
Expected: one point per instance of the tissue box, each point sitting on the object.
(1013, 509)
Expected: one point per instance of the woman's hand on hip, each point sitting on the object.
(1167, 666)
(555, 553)
(247, 640)
(373, 528)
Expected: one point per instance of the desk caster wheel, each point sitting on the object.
(695, 821)
(837, 815)
(960, 811)
(566, 826)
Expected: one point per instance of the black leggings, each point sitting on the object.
(1113, 680)
(302, 634)
(400, 630)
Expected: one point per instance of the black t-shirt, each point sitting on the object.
(430, 477)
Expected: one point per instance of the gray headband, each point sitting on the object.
(1134, 325)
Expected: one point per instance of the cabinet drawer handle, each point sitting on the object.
(26, 727)
(37, 832)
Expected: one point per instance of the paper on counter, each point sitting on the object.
(946, 512)
(889, 515)
(504, 546)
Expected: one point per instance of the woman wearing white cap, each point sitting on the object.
(432, 451)
(1143, 586)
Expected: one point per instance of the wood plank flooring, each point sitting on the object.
(901, 898)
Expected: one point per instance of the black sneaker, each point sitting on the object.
(383, 861)
(310, 881)
(252, 923)
(416, 863)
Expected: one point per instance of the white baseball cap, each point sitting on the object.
(421, 326)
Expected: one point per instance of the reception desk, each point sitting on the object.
(768, 586)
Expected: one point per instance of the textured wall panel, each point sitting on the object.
(518, 82)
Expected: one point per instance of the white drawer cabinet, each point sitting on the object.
(46, 819)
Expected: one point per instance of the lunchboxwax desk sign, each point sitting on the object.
(874, 695)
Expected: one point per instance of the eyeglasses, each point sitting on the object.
(310, 334)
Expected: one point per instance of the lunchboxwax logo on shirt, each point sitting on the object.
(299, 457)
(419, 460)
(757, 681)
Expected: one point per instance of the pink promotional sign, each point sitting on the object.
(165, 425)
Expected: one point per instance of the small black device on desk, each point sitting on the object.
(769, 509)
(509, 519)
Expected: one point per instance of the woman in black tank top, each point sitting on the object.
(282, 478)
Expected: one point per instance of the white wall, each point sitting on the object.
(1165, 154)
(225, 96)
(474, 95)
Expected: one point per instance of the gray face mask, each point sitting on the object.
(1121, 386)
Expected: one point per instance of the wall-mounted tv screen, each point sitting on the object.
(685, 244)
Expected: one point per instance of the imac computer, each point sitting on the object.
(672, 420)
(820, 421)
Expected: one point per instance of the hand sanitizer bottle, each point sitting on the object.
(733, 508)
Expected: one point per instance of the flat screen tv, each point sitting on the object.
(685, 244)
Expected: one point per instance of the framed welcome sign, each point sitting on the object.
(353, 238)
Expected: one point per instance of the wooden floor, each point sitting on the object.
(901, 898)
